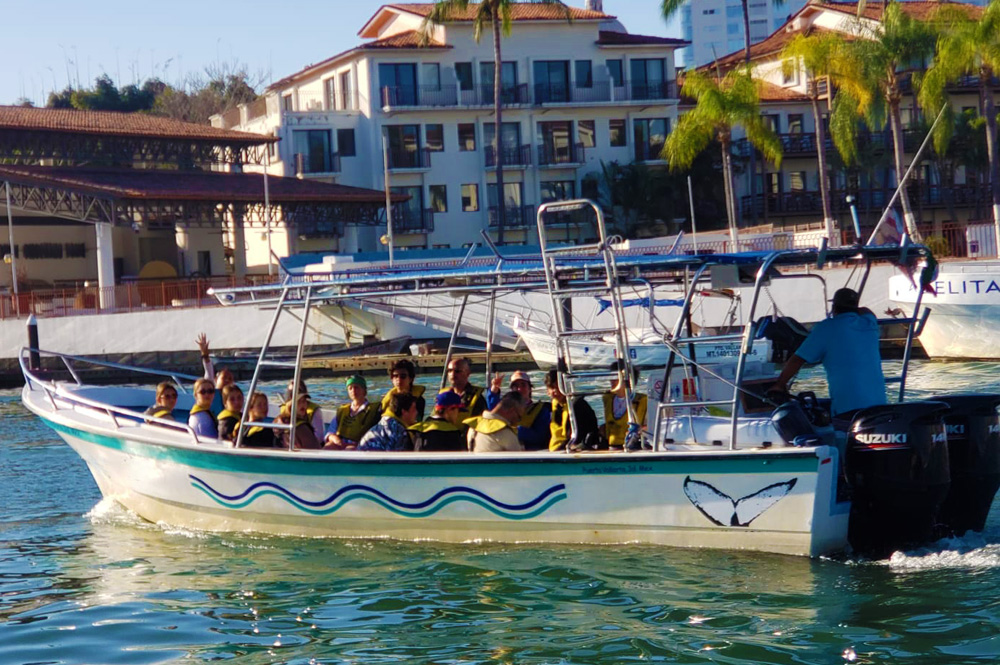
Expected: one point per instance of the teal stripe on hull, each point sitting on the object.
(560, 465)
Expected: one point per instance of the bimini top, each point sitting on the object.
(525, 273)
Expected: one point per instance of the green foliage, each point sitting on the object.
(938, 245)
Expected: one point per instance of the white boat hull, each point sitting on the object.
(776, 500)
(964, 322)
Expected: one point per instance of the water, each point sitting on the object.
(82, 581)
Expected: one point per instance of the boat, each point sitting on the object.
(712, 470)
(965, 306)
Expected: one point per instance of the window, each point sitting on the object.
(439, 198)
(398, 82)
(467, 137)
(508, 81)
(430, 76)
(647, 78)
(552, 81)
(43, 250)
(470, 198)
(557, 142)
(463, 72)
(585, 130)
(734, 12)
(734, 29)
(404, 146)
(434, 135)
(511, 195)
(616, 72)
(408, 217)
(286, 103)
(346, 98)
(772, 121)
(616, 129)
(205, 263)
(312, 150)
(557, 190)
(76, 250)
(795, 123)
(790, 77)
(584, 74)
(345, 143)
(797, 181)
(707, 12)
(510, 135)
(650, 135)
(330, 94)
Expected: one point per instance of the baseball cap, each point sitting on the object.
(520, 375)
(845, 299)
(357, 379)
(447, 399)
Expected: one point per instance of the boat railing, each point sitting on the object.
(55, 393)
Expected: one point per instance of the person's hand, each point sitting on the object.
(202, 341)
(496, 384)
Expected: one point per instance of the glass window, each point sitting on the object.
(508, 81)
(797, 181)
(430, 76)
(312, 151)
(616, 72)
(346, 98)
(511, 194)
(330, 93)
(551, 81)
(734, 11)
(650, 135)
(647, 78)
(470, 198)
(510, 134)
(772, 121)
(586, 132)
(434, 135)
(286, 103)
(557, 190)
(795, 123)
(439, 198)
(463, 72)
(466, 137)
(408, 216)
(398, 82)
(345, 143)
(617, 132)
(404, 145)
(584, 74)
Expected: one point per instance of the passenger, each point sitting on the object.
(496, 430)
(201, 419)
(229, 417)
(305, 435)
(403, 373)
(615, 426)
(443, 431)
(533, 430)
(389, 433)
(166, 400)
(352, 420)
(313, 411)
(561, 432)
(258, 436)
(473, 400)
(848, 346)
(220, 379)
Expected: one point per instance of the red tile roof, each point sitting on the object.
(520, 11)
(767, 92)
(773, 45)
(404, 40)
(921, 10)
(72, 121)
(607, 38)
(149, 184)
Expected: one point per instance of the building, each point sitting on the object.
(719, 27)
(614, 99)
(789, 197)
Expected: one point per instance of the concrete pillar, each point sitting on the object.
(239, 244)
(105, 265)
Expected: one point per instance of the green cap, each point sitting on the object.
(357, 379)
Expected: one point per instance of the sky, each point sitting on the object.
(48, 44)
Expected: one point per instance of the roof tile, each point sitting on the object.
(608, 38)
(520, 11)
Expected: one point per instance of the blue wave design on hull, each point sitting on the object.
(348, 493)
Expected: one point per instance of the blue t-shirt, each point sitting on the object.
(847, 345)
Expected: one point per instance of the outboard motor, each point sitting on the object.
(792, 423)
(897, 470)
(974, 456)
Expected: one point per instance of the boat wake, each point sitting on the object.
(970, 552)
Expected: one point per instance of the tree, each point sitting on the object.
(498, 15)
(868, 72)
(815, 52)
(967, 46)
(721, 105)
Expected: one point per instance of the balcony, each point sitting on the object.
(305, 165)
(647, 92)
(603, 92)
(409, 220)
(510, 95)
(513, 156)
(419, 96)
(559, 156)
(402, 159)
(518, 217)
(922, 195)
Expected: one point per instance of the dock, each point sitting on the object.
(504, 361)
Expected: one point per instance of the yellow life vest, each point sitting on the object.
(435, 425)
(559, 426)
(161, 412)
(353, 427)
(415, 390)
(615, 429)
(197, 408)
(473, 401)
(486, 425)
(531, 414)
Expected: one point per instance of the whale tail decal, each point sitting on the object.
(723, 510)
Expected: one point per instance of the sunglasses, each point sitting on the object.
(400, 376)
(206, 391)
(169, 395)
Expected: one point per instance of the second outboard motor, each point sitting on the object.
(792, 423)
(897, 469)
(974, 456)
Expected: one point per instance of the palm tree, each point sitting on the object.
(868, 74)
(968, 46)
(815, 52)
(498, 15)
(722, 103)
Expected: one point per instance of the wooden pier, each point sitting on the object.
(427, 364)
